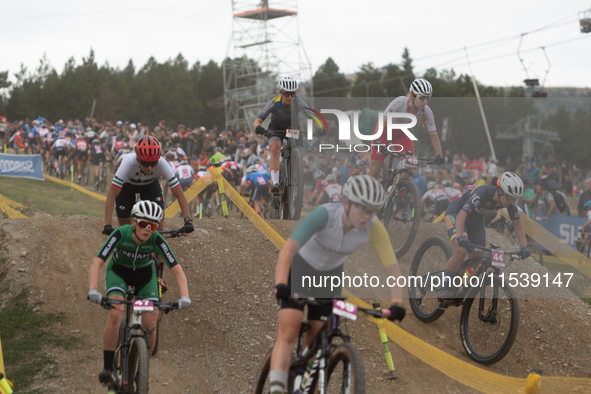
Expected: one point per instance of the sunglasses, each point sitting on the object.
(149, 163)
(424, 98)
(288, 94)
(144, 225)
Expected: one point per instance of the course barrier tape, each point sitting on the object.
(77, 187)
(10, 203)
(11, 213)
(190, 194)
(560, 250)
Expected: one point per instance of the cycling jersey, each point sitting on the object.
(217, 157)
(435, 195)
(81, 145)
(324, 246)
(281, 115)
(173, 164)
(320, 183)
(232, 165)
(60, 143)
(130, 172)
(97, 150)
(479, 201)
(452, 193)
(185, 172)
(333, 190)
(257, 178)
(403, 104)
(130, 255)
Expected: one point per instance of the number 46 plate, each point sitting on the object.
(344, 309)
(498, 258)
(292, 133)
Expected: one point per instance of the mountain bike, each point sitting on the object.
(287, 204)
(490, 311)
(100, 183)
(324, 367)
(85, 175)
(267, 211)
(50, 164)
(402, 213)
(159, 277)
(131, 361)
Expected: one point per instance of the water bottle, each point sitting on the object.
(469, 272)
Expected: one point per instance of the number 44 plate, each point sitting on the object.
(498, 258)
(140, 305)
(344, 309)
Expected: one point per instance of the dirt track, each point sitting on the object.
(217, 345)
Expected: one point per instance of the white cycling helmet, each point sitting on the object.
(331, 178)
(288, 84)
(251, 169)
(318, 174)
(446, 183)
(148, 210)
(511, 184)
(364, 190)
(421, 87)
(431, 185)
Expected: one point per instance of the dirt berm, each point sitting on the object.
(217, 345)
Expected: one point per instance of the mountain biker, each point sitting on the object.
(81, 154)
(332, 192)
(139, 173)
(284, 110)
(131, 265)
(585, 228)
(415, 102)
(436, 198)
(257, 180)
(465, 223)
(320, 244)
(321, 182)
(60, 148)
(97, 154)
(451, 192)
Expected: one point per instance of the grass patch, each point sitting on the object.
(27, 340)
(50, 197)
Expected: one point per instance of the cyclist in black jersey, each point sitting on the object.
(284, 110)
(465, 223)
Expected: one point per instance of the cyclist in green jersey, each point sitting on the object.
(319, 245)
(131, 265)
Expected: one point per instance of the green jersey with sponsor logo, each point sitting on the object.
(130, 255)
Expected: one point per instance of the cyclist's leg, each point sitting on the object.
(116, 287)
(153, 192)
(256, 197)
(124, 203)
(149, 292)
(275, 147)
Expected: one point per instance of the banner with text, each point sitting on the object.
(565, 228)
(21, 166)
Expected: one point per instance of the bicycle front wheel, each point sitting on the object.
(345, 370)
(402, 216)
(262, 384)
(137, 374)
(489, 321)
(429, 262)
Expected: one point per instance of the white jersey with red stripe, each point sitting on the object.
(435, 195)
(333, 190)
(452, 193)
(130, 172)
(232, 165)
(403, 104)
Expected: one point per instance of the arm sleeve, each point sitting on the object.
(165, 251)
(378, 236)
(110, 245)
(267, 110)
(313, 222)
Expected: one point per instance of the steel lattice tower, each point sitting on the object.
(265, 45)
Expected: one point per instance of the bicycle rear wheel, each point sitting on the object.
(345, 370)
(489, 321)
(429, 261)
(84, 180)
(262, 384)
(402, 216)
(137, 374)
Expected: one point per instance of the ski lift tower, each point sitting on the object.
(265, 45)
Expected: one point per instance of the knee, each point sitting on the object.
(287, 335)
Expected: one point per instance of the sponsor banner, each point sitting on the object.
(565, 228)
(22, 166)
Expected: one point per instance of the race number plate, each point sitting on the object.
(292, 133)
(336, 197)
(141, 305)
(344, 309)
(411, 162)
(498, 258)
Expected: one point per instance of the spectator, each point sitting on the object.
(448, 158)
(457, 161)
(585, 197)
(419, 180)
(554, 174)
(492, 167)
(535, 172)
(509, 166)
(577, 177)
(544, 200)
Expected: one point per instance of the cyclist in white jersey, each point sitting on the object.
(138, 174)
(60, 147)
(451, 192)
(320, 244)
(331, 192)
(436, 198)
(414, 103)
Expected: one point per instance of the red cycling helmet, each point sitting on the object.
(148, 149)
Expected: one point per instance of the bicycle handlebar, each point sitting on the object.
(107, 303)
(173, 233)
(477, 248)
(380, 314)
(409, 153)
